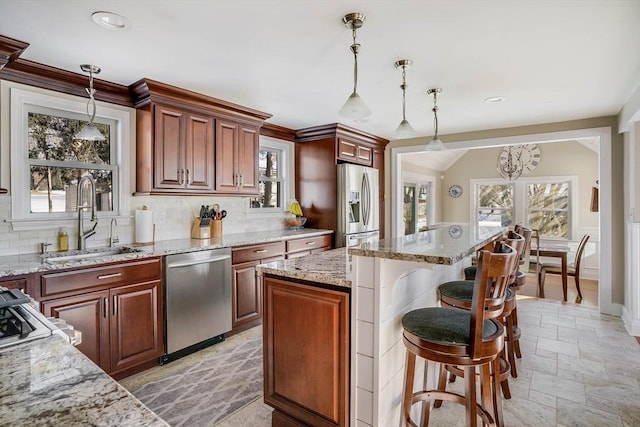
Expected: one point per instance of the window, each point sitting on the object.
(548, 208)
(274, 167)
(47, 162)
(417, 209)
(494, 203)
(543, 204)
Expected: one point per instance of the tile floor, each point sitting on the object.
(579, 368)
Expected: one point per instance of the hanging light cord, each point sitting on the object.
(354, 48)
(91, 105)
(435, 114)
(404, 89)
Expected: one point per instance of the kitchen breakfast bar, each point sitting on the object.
(333, 351)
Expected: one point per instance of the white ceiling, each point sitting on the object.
(553, 60)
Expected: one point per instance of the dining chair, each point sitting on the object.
(573, 269)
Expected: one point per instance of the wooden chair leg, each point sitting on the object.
(509, 346)
(442, 384)
(516, 344)
(541, 277)
(410, 369)
(577, 279)
(470, 395)
(497, 400)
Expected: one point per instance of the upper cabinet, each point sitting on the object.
(237, 146)
(189, 143)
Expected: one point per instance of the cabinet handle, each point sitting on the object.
(109, 276)
(311, 243)
(261, 251)
(105, 306)
(187, 176)
(241, 180)
(182, 180)
(115, 304)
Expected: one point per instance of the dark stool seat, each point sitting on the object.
(470, 272)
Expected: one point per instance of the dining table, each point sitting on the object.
(554, 250)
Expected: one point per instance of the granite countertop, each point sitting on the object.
(32, 263)
(329, 267)
(444, 244)
(49, 382)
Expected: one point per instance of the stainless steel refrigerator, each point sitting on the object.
(357, 205)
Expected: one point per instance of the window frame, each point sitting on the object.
(19, 100)
(415, 180)
(286, 176)
(520, 203)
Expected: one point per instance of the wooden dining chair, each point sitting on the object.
(573, 269)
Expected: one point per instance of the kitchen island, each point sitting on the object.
(49, 382)
(313, 323)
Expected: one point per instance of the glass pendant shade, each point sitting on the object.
(90, 133)
(354, 108)
(404, 130)
(435, 145)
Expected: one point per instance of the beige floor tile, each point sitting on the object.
(559, 387)
(579, 415)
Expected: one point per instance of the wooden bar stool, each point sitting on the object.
(471, 339)
(459, 294)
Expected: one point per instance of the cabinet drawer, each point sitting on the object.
(308, 243)
(75, 280)
(257, 252)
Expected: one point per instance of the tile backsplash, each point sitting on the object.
(172, 216)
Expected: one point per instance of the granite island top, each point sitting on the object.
(49, 382)
(32, 263)
(329, 267)
(442, 244)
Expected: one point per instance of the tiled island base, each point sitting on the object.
(386, 290)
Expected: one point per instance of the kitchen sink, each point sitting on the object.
(62, 258)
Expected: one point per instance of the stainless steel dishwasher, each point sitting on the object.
(197, 300)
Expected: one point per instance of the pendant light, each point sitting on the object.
(404, 129)
(90, 132)
(435, 144)
(354, 108)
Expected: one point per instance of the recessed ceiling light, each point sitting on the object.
(111, 21)
(494, 99)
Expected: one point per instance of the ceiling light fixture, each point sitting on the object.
(354, 108)
(404, 129)
(510, 165)
(111, 21)
(435, 144)
(90, 132)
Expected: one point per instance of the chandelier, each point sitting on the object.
(90, 132)
(354, 108)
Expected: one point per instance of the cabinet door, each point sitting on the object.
(226, 148)
(169, 151)
(245, 294)
(88, 314)
(248, 148)
(199, 146)
(135, 327)
(306, 327)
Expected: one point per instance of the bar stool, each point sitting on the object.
(459, 294)
(467, 338)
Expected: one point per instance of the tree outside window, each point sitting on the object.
(270, 183)
(495, 205)
(548, 208)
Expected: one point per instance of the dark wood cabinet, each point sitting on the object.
(25, 283)
(184, 150)
(306, 326)
(237, 146)
(297, 248)
(318, 151)
(246, 290)
(188, 143)
(118, 309)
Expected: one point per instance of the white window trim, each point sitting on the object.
(15, 99)
(520, 203)
(286, 174)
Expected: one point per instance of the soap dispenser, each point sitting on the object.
(63, 241)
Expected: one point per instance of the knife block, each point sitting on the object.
(216, 228)
(198, 231)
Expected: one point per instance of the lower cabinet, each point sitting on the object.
(306, 353)
(121, 325)
(246, 291)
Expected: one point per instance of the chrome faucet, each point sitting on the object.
(112, 240)
(83, 234)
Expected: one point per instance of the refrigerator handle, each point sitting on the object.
(366, 200)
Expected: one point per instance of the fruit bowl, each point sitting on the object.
(294, 223)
